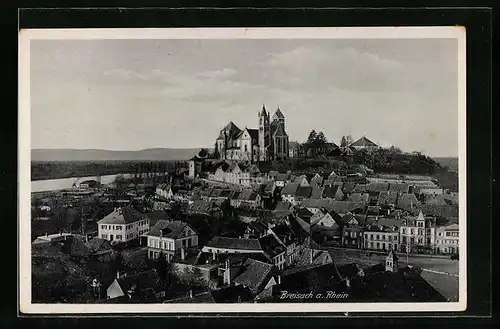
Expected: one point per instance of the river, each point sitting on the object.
(66, 183)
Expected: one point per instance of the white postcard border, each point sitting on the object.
(24, 171)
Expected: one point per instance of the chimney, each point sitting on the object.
(46, 234)
(117, 274)
(191, 293)
(347, 282)
(279, 279)
(311, 256)
(213, 255)
(183, 254)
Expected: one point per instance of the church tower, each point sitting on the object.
(391, 262)
(263, 133)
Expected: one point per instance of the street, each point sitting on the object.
(441, 273)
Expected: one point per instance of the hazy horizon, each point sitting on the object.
(131, 95)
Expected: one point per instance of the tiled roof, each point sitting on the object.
(247, 194)
(407, 200)
(317, 192)
(331, 191)
(399, 187)
(283, 205)
(271, 246)
(303, 213)
(273, 173)
(282, 177)
(349, 187)
(164, 186)
(254, 133)
(304, 191)
(319, 257)
(363, 142)
(255, 275)
(359, 197)
(79, 248)
(170, 229)
(349, 270)
(341, 207)
(378, 187)
(139, 282)
(234, 243)
(124, 215)
(290, 189)
(156, 216)
(388, 197)
(97, 245)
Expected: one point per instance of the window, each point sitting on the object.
(439, 234)
(420, 231)
(104, 236)
(404, 231)
(118, 237)
(378, 237)
(371, 236)
(103, 227)
(383, 237)
(412, 231)
(346, 233)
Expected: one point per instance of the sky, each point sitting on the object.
(179, 93)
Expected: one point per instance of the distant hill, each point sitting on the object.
(156, 154)
(450, 162)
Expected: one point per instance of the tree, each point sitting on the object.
(321, 138)
(312, 137)
(346, 141)
(163, 267)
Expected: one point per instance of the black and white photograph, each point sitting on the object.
(230, 170)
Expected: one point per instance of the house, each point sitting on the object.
(143, 286)
(282, 209)
(220, 244)
(387, 198)
(340, 207)
(289, 239)
(352, 236)
(301, 180)
(209, 208)
(258, 276)
(328, 229)
(303, 192)
(255, 229)
(274, 250)
(251, 197)
(333, 192)
(157, 215)
(377, 187)
(289, 191)
(272, 174)
(164, 191)
(359, 197)
(167, 237)
(313, 257)
(381, 237)
(447, 239)
(317, 180)
(407, 201)
(282, 179)
(99, 248)
(363, 143)
(122, 225)
(399, 187)
(317, 192)
(417, 234)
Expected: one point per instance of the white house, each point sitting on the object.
(164, 191)
(447, 239)
(169, 237)
(416, 233)
(122, 225)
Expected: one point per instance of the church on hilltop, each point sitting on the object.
(267, 143)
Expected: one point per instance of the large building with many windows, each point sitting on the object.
(447, 239)
(417, 234)
(122, 225)
(268, 142)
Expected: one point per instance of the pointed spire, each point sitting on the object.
(278, 114)
(263, 112)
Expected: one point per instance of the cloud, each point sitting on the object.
(315, 68)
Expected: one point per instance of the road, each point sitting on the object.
(441, 273)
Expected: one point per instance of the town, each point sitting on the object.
(254, 220)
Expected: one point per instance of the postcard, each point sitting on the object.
(223, 170)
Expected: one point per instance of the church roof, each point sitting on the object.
(279, 130)
(263, 112)
(254, 133)
(278, 114)
(363, 141)
(232, 130)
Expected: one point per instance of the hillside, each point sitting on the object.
(89, 155)
(450, 162)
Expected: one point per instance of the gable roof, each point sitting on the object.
(363, 142)
(97, 245)
(282, 177)
(304, 191)
(290, 189)
(156, 216)
(124, 215)
(168, 229)
(255, 275)
(279, 114)
(317, 192)
(271, 246)
(331, 191)
(358, 197)
(140, 282)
